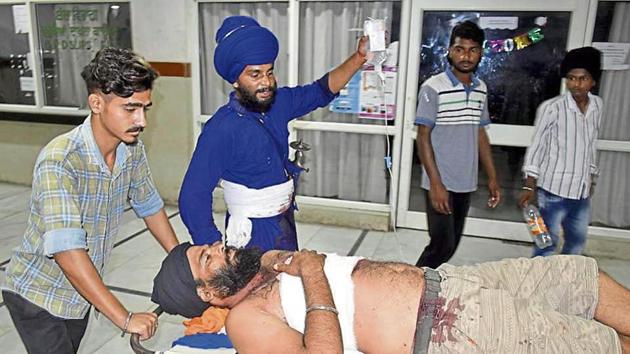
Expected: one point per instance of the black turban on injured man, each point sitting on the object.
(587, 58)
(174, 288)
(241, 41)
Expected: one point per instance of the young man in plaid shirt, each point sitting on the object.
(81, 183)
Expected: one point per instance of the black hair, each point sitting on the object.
(587, 58)
(233, 277)
(467, 30)
(118, 71)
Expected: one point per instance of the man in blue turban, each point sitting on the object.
(244, 145)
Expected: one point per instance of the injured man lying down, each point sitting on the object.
(306, 302)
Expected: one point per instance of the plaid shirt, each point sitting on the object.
(76, 203)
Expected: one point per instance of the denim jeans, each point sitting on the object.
(569, 215)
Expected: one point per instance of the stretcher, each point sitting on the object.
(138, 348)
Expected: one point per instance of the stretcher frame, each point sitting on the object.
(134, 341)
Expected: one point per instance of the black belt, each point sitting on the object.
(426, 311)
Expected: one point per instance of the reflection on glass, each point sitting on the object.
(16, 75)
(608, 209)
(69, 37)
(523, 51)
(518, 79)
(347, 166)
(329, 33)
(604, 20)
(273, 15)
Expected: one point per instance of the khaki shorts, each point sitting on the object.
(539, 305)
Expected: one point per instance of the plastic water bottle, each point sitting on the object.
(536, 225)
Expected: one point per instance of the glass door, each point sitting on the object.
(525, 43)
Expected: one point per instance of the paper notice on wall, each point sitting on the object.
(615, 55)
(367, 95)
(27, 83)
(348, 99)
(377, 97)
(498, 22)
(20, 19)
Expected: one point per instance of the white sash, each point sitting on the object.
(244, 203)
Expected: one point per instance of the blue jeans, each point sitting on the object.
(570, 215)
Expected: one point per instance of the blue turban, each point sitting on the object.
(241, 41)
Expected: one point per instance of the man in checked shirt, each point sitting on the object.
(560, 163)
(81, 183)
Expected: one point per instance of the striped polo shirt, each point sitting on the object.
(563, 151)
(455, 112)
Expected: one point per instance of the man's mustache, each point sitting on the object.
(266, 89)
(135, 129)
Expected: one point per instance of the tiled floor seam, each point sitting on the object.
(11, 195)
(137, 233)
(357, 243)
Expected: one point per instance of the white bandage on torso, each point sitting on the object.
(338, 271)
(244, 203)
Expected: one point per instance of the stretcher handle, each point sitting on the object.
(135, 338)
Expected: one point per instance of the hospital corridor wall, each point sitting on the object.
(168, 34)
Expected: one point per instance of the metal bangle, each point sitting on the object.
(322, 308)
(126, 324)
(526, 188)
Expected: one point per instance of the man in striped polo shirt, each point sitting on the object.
(451, 118)
(560, 163)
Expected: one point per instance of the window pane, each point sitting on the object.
(329, 33)
(347, 166)
(69, 37)
(608, 208)
(518, 80)
(603, 20)
(16, 76)
(273, 15)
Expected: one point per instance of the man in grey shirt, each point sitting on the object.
(452, 116)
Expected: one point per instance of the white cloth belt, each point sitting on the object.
(244, 203)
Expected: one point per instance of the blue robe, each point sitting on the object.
(235, 146)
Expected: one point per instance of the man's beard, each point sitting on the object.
(237, 272)
(249, 100)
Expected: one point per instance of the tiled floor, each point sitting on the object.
(137, 257)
